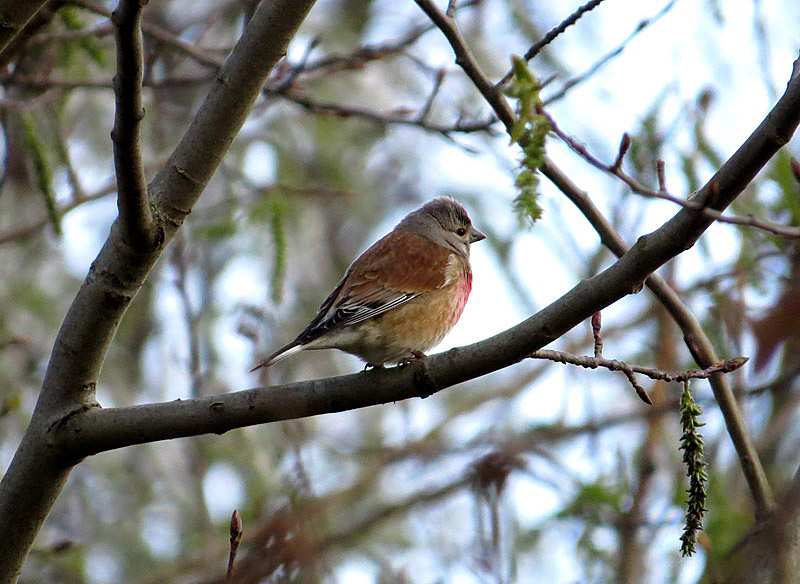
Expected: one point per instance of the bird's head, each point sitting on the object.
(445, 222)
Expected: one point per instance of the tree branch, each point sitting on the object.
(552, 34)
(628, 369)
(38, 471)
(135, 219)
(615, 169)
(160, 34)
(14, 15)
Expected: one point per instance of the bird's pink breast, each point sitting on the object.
(462, 295)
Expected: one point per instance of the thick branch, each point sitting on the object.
(13, 17)
(28, 32)
(135, 219)
(38, 470)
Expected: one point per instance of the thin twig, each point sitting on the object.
(553, 33)
(45, 83)
(437, 85)
(386, 118)
(597, 323)
(615, 169)
(651, 372)
(615, 52)
(160, 34)
(135, 218)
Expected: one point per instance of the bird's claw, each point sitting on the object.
(416, 356)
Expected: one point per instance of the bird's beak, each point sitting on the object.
(475, 236)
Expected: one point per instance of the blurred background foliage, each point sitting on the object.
(539, 473)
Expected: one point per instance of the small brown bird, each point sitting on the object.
(402, 295)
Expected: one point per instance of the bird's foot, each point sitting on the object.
(416, 356)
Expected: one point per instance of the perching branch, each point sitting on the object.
(135, 219)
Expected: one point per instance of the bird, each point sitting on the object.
(402, 295)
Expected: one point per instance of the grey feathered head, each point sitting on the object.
(445, 222)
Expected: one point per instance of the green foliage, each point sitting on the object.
(277, 222)
(33, 297)
(272, 210)
(780, 172)
(529, 131)
(215, 231)
(593, 501)
(694, 458)
(727, 520)
(647, 145)
(71, 18)
(44, 174)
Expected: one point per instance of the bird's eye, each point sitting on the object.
(460, 231)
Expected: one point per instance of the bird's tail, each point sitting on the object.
(281, 353)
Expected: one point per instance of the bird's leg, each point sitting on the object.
(416, 356)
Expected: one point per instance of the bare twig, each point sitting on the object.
(651, 372)
(99, 31)
(356, 59)
(553, 33)
(386, 118)
(45, 83)
(281, 84)
(15, 15)
(597, 323)
(616, 51)
(135, 218)
(160, 34)
(693, 203)
(437, 85)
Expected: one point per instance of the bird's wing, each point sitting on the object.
(397, 268)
